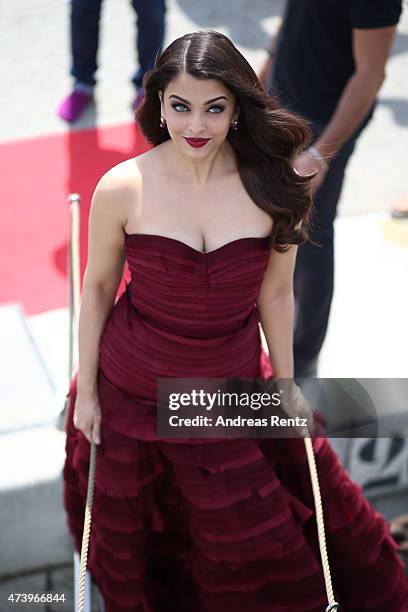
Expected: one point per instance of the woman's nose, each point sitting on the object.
(197, 123)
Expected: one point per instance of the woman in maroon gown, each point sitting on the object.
(208, 221)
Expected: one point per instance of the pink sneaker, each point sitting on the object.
(72, 107)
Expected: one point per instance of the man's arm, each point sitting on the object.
(271, 48)
(371, 49)
(266, 67)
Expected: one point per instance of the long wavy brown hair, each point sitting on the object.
(268, 136)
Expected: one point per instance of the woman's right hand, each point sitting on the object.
(87, 417)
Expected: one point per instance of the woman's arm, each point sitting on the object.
(114, 199)
(276, 310)
(106, 258)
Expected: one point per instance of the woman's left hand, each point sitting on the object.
(294, 404)
(298, 406)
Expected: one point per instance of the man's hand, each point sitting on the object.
(306, 164)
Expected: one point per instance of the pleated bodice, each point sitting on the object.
(186, 313)
(191, 293)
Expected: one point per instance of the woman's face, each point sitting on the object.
(198, 113)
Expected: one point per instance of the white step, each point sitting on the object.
(27, 388)
(32, 520)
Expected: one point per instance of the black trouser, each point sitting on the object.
(85, 16)
(314, 271)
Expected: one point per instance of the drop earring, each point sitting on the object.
(234, 124)
(162, 122)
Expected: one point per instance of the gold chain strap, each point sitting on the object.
(75, 299)
(87, 529)
(333, 605)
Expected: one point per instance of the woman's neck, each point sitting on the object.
(200, 172)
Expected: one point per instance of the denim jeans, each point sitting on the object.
(85, 16)
(314, 270)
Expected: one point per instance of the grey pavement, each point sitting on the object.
(368, 333)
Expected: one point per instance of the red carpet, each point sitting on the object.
(36, 177)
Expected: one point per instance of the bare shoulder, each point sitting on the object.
(119, 194)
(126, 178)
(118, 191)
(121, 181)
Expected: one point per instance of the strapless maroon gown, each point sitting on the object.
(211, 526)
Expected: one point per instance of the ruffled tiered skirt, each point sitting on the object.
(215, 526)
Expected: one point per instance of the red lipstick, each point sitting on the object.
(197, 142)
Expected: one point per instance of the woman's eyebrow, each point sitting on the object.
(208, 101)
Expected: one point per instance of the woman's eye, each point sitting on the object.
(218, 109)
(180, 108)
(176, 106)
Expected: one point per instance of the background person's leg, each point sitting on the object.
(85, 16)
(150, 34)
